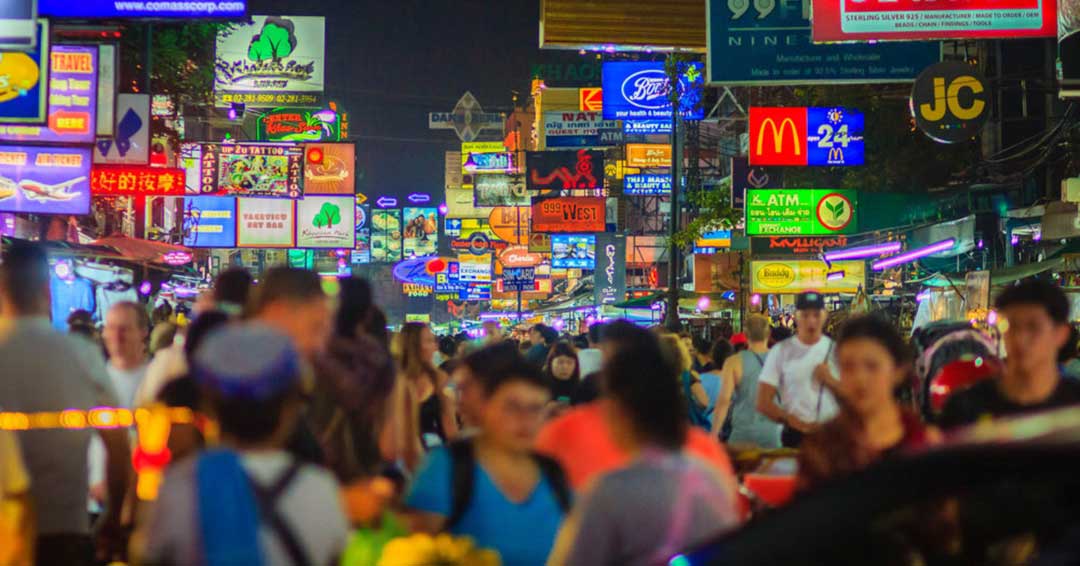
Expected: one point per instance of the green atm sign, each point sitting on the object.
(800, 212)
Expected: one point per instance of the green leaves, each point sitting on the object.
(275, 41)
(837, 209)
(328, 215)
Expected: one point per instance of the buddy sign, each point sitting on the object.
(791, 277)
(272, 61)
(800, 212)
(803, 136)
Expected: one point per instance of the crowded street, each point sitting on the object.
(539, 282)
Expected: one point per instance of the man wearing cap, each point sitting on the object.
(788, 393)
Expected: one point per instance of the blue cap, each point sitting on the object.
(246, 361)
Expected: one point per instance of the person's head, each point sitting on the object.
(643, 384)
(873, 360)
(1036, 316)
(24, 281)
(81, 322)
(687, 340)
(126, 329)
(1071, 350)
(416, 349)
(536, 334)
(292, 301)
(448, 347)
(513, 410)
(810, 316)
(702, 346)
(250, 376)
(757, 329)
(162, 336)
(674, 348)
(721, 350)
(562, 362)
(200, 328)
(595, 334)
(476, 369)
(356, 310)
(232, 289)
(492, 331)
(162, 314)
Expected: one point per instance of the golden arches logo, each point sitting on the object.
(778, 135)
(836, 155)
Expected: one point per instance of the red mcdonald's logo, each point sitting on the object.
(770, 130)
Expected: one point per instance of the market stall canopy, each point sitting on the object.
(146, 251)
(58, 248)
(1002, 276)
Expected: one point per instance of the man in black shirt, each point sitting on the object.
(1036, 318)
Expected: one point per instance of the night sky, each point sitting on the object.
(389, 63)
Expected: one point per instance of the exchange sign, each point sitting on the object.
(883, 20)
(800, 212)
(818, 136)
(950, 102)
(72, 104)
(568, 214)
(44, 180)
(792, 277)
(640, 91)
(136, 180)
(271, 61)
(565, 170)
(250, 169)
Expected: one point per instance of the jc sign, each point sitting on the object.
(950, 102)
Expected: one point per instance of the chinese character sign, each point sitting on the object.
(136, 180)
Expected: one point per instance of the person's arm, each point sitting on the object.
(701, 397)
(729, 377)
(449, 408)
(110, 531)
(428, 499)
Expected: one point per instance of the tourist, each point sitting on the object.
(697, 398)
(740, 390)
(712, 380)
(541, 337)
(788, 375)
(563, 373)
(665, 500)
(126, 330)
(426, 385)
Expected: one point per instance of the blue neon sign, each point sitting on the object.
(638, 91)
(646, 185)
(834, 137)
(119, 9)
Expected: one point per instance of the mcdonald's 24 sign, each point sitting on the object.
(802, 136)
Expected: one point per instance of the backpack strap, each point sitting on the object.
(462, 478)
(266, 499)
(556, 477)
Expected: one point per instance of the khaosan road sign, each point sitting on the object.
(467, 119)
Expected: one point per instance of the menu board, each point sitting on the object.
(385, 235)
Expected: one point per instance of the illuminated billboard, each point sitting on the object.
(385, 235)
(300, 125)
(884, 20)
(564, 170)
(23, 92)
(250, 169)
(639, 91)
(329, 169)
(87, 9)
(362, 250)
(271, 61)
(420, 234)
(801, 212)
(569, 214)
(326, 222)
(573, 251)
(265, 223)
(44, 180)
(209, 222)
(72, 106)
(136, 180)
(801, 136)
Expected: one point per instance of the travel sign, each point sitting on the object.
(800, 212)
(801, 136)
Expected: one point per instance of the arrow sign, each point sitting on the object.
(419, 198)
(386, 202)
(591, 99)
(361, 198)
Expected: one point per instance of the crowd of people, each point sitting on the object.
(315, 423)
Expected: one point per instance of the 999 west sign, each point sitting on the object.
(802, 136)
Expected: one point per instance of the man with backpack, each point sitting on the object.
(491, 486)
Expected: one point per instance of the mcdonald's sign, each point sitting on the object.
(831, 136)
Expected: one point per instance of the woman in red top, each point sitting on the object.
(873, 360)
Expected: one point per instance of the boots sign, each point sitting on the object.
(950, 102)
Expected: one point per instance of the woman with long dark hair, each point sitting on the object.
(563, 372)
(425, 385)
(665, 500)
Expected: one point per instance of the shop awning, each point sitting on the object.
(143, 251)
(71, 250)
(1002, 276)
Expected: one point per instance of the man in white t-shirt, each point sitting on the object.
(788, 391)
(126, 329)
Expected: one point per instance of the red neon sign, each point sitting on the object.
(883, 20)
(136, 180)
(778, 136)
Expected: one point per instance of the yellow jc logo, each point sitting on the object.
(947, 97)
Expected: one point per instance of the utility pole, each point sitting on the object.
(671, 320)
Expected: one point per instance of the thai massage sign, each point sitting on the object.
(326, 222)
(44, 180)
(571, 215)
(250, 169)
(800, 212)
(72, 104)
(136, 180)
(301, 125)
(272, 61)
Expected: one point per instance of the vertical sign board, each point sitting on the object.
(25, 79)
(385, 235)
(106, 94)
(609, 281)
(362, 250)
(44, 180)
(265, 223)
(326, 222)
(209, 222)
(130, 141)
(271, 61)
(884, 20)
(72, 104)
(802, 136)
(769, 43)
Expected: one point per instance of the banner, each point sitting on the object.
(385, 235)
(712, 242)
(568, 214)
(209, 222)
(788, 246)
(250, 169)
(573, 251)
(884, 20)
(565, 170)
(265, 223)
(23, 93)
(136, 180)
(793, 277)
(326, 222)
(500, 190)
(819, 136)
(106, 93)
(116, 9)
(72, 104)
(329, 169)
(639, 91)
(744, 177)
(648, 155)
(609, 280)
(44, 180)
(272, 61)
(362, 250)
(800, 212)
(647, 185)
(578, 129)
(130, 142)
(420, 235)
(300, 125)
(769, 43)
